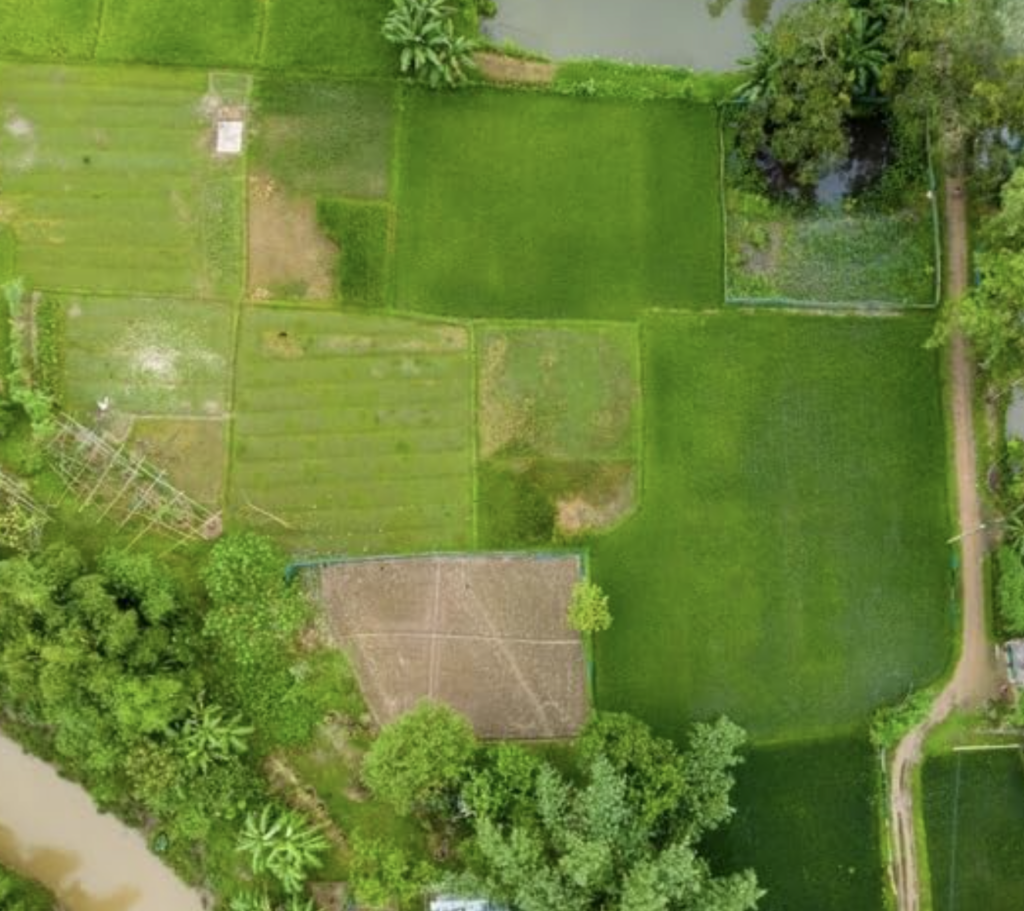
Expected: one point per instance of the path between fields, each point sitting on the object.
(976, 677)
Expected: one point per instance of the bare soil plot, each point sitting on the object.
(485, 634)
(289, 256)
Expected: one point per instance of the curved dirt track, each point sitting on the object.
(977, 675)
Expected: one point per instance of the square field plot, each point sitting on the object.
(485, 634)
(523, 205)
(355, 432)
(63, 29)
(806, 824)
(192, 452)
(974, 820)
(788, 565)
(155, 357)
(111, 184)
(333, 36)
(188, 32)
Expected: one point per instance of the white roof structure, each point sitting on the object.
(453, 903)
(1015, 661)
(229, 136)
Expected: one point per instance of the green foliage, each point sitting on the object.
(280, 842)
(494, 178)
(1010, 590)
(501, 786)
(419, 760)
(973, 804)
(382, 876)
(20, 894)
(891, 723)
(361, 230)
(588, 609)
(431, 49)
(48, 29)
(775, 430)
(519, 512)
(594, 77)
(327, 36)
(206, 737)
(192, 32)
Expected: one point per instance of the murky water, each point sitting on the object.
(51, 830)
(702, 34)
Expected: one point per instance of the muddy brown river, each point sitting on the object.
(51, 831)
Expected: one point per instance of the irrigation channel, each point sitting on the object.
(976, 677)
(701, 34)
(51, 831)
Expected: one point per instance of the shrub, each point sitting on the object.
(588, 609)
(1010, 590)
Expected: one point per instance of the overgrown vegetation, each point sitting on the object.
(20, 894)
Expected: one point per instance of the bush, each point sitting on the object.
(360, 229)
(891, 723)
(588, 610)
(1010, 590)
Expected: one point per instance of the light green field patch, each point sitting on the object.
(191, 452)
(109, 178)
(147, 356)
(325, 139)
(353, 433)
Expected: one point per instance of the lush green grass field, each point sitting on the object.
(48, 29)
(806, 824)
(333, 36)
(148, 356)
(362, 231)
(193, 32)
(110, 183)
(354, 430)
(325, 139)
(525, 205)
(788, 565)
(974, 818)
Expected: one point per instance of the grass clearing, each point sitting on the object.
(48, 29)
(111, 186)
(149, 356)
(362, 231)
(354, 431)
(558, 429)
(788, 565)
(193, 453)
(974, 819)
(807, 825)
(325, 139)
(538, 206)
(324, 35)
(182, 32)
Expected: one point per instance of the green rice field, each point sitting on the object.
(564, 207)
(354, 431)
(788, 565)
(974, 820)
(53, 29)
(806, 822)
(110, 183)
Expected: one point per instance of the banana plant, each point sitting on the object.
(429, 47)
(207, 737)
(282, 843)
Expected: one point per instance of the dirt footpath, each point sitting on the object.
(977, 676)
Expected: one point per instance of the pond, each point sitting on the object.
(51, 831)
(700, 34)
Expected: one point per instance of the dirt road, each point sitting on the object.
(977, 676)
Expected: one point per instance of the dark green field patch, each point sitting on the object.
(974, 819)
(342, 37)
(806, 824)
(111, 186)
(354, 431)
(325, 139)
(49, 29)
(788, 564)
(362, 232)
(191, 32)
(525, 205)
(147, 356)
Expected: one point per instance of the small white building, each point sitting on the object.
(1014, 651)
(229, 137)
(454, 903)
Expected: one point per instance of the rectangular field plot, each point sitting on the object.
(111, 184)
(484, 634)
(788, 565)
(355, 432)
(974, 819)
(147, 356)
(806, 824)
(524, 205)
(49, 28)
